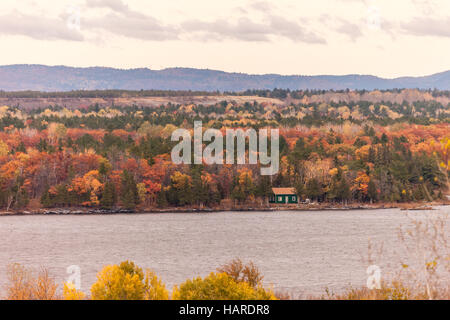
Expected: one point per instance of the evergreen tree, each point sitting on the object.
(238, 194)
(109, 196)
(200, 192)
(21, 147)
(264, 188)
(371, 156)
(343, 190)
(313, 189)
(69, 142)
(22, 198)
(103, 169)
(129, 191)
(372, 191)
(299, 189)
(161, 199)
(45, 198)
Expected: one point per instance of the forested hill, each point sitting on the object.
(62, 78)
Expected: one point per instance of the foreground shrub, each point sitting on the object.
(242, 273)
(154, 288)
(118, 283)
(71, 293)
(127, 282)
(24, 286)
(248, 273)
(393, 291)
(423, 267)
(219, 286)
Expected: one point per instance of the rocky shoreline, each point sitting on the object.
(98, 211)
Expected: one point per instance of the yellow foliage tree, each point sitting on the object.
(71, 293)
(56, 131)
(127, 282)
(154, 288)
(142, 191)
(363, 153)
(89, 184)
(118, 282)
(361, 183)
(4, 149)
(180, 180)
(219, 286)
(444, 164)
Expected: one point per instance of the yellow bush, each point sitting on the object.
(71, 293)
(4, 149)
(154, 288)
(127, 282)
(219, 286)
(119, 282)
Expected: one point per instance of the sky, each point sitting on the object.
(380, 37)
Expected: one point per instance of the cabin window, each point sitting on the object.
(280, 198)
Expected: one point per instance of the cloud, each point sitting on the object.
(121, 20)
(129, 23)
(293, 30)
(115, 5)
(349, 29)
(261, 6)
(244, 29)
(40, 28)
(133, 25)
(427, 7)
(428, 27)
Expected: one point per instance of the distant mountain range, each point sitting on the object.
(62, 78)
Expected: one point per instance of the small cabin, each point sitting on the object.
(283, 195)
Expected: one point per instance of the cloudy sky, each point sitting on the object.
(380, 37)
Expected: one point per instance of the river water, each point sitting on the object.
(300, 252)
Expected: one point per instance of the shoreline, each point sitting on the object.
(300, 207)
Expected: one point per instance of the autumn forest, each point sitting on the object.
(374, 147)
